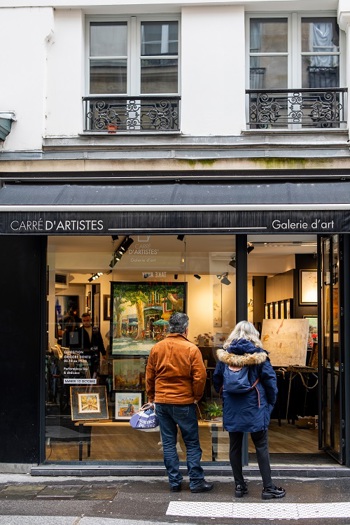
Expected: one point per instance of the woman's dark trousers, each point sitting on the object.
(260, 440)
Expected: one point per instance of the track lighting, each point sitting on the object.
(119, 252)
(233, 261)
(223, 278)
(95, 276)
(250, 247)
(197, 276)
(180, 237)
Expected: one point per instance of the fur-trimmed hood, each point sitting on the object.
(249, 354)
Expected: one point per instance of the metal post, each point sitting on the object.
(241, 304)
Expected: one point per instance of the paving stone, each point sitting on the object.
(98, 492)
(23, 491)
(59, 492)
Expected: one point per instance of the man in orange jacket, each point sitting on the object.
(175, 381)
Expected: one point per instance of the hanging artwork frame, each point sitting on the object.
(140, 313)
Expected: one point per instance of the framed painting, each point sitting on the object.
(88, 402)
(307, 287)
(266, 311)
(127, 404)
(313, 330)
(129, 373)
(106, 307)
(140, 313)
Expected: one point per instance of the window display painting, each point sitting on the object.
(308, 287)
(129, 373)
(140, 313)
(286, 341)
(127, 404)
(217, 305)
(88, 402)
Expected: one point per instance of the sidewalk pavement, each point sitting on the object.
(119, 500)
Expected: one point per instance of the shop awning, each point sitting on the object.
(80, 209)
(176, 197)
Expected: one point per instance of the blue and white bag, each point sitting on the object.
(145, 419)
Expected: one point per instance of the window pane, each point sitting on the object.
(268, 72)
(108, 39)
(108, 76)
(159, 38)
(159, 76)
(268, 35)
(317, 75)
(320, 35)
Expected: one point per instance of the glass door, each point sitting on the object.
(331, 349)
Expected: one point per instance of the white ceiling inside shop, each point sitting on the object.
(202, 254)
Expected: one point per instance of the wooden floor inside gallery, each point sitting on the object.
(126, 444)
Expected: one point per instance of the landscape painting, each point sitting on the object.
(140, 313)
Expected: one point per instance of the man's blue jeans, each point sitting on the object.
(170, 418)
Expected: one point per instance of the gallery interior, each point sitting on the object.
(130, 285)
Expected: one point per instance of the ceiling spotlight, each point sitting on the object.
(233, 261)
(176, 276)
(223, 278)
(197, 276)
(95, 276)
(146, 275)
(115, 237)
(180, 237)
(250, 247)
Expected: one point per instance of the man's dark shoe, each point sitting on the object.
(273, 492)
(240, 490)
(175, 488)
(205, 486)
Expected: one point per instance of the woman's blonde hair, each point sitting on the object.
(244, 330)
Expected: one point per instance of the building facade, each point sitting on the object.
(167, 156)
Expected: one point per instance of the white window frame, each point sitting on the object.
(294, 44)
(133, 50)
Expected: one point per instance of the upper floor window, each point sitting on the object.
(133, 56)
(290, 52)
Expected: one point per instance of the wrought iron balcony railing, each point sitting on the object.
(297, 108)
(113, 114)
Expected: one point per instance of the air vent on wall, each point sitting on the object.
(61, 280)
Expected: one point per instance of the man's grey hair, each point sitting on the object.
(178, 323)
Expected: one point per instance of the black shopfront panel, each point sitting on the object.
(22, 318)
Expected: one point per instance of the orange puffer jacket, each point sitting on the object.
(175, 372)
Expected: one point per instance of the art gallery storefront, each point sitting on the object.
(165, 247)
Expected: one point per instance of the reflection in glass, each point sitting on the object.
(108, 76)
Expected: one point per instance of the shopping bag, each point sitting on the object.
(145, 419)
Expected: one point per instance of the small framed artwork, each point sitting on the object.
(266, 311)
(106, 307)
(281, 309)
(127, 404)
(307, 287)
(129, 373)
(88, 402)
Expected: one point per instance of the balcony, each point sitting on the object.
(125, 114)
(297, 108)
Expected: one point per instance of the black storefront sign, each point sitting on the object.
(162, 222)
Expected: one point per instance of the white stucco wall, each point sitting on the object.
(213, 70)
(65, 84)
(23, 43)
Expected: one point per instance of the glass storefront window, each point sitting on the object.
(129, 286)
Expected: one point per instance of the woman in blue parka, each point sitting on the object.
(248, 411)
